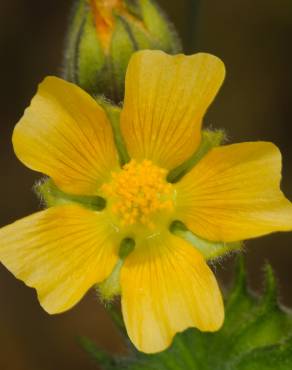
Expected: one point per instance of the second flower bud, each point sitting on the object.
(104, 34)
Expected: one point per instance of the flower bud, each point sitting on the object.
(104, 34)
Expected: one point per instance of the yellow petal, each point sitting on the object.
(166, 288)
(234, 194)
(165, 100)
(61, 252)
(66, 135)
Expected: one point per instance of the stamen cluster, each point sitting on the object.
(139, 191)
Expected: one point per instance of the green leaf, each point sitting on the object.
(96, 354)
(257, 335)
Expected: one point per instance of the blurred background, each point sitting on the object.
(254, 40)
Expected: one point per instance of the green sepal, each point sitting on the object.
(256, 335)
(210, 139)
(210, 250)
(158, 26)
(78, 19)
(113, 113)
(91, 62)
(110, 288)
(52, 196)
(122, 47)
(127, 246)
(85, 62)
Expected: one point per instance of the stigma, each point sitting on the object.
(139, 193)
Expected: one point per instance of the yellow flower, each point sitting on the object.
(233, 193)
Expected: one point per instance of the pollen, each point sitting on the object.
(138, 192)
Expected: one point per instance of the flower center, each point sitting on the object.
(139, 192)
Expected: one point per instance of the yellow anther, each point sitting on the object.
(138, 192)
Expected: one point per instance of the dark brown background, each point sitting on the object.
(254, 40)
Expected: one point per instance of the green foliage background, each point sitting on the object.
(257, 335)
